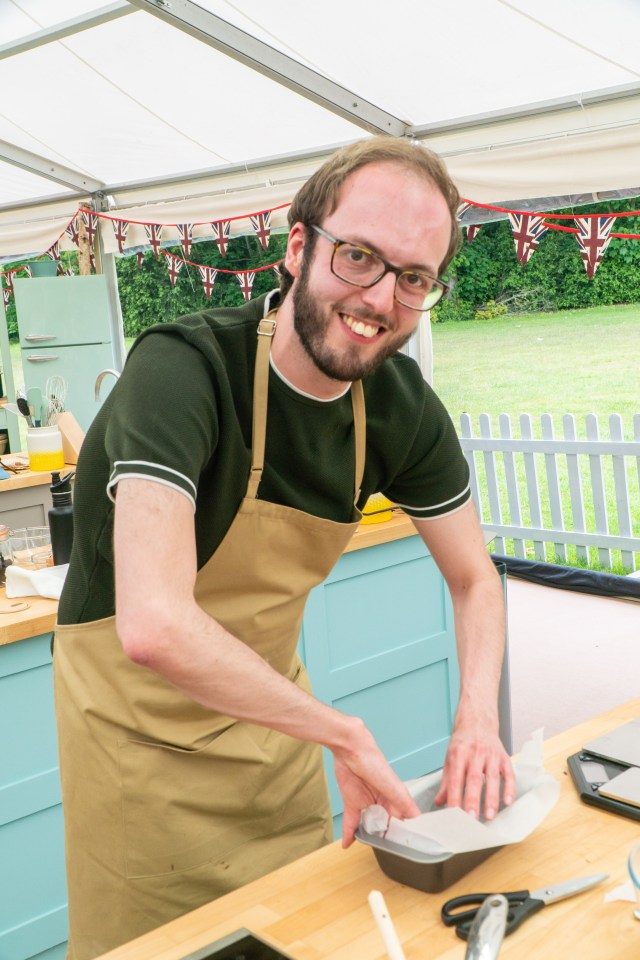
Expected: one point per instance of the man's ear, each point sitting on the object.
(295, 249)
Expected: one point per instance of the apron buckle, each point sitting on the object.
(267, 327)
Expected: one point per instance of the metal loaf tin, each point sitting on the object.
(423, 871)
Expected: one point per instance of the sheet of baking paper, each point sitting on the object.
(438, 831)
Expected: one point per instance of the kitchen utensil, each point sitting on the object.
(34, 399)
(56, 393)
(487, 930)
(460, 912)
(385, 925)
(23, 406)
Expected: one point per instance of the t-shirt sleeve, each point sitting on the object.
(434, 479)
(163, 421)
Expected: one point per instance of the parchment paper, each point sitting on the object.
(438, 831)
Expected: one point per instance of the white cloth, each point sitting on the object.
(47, 582)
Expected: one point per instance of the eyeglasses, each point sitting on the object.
(361, 267)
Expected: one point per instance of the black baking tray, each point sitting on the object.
(578, 763)
(239, 945)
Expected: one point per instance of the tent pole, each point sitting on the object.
(106, 264)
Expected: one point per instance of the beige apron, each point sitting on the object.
(169, 805)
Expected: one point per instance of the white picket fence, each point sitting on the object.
(565, 491)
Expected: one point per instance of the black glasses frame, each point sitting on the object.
(443, 287)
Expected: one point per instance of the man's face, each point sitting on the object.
(348, 331)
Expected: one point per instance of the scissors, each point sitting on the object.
(460, 912)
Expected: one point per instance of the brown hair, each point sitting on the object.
(319, 195)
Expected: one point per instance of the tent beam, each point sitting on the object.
(65, 29)
(49, 169)
(266, 60)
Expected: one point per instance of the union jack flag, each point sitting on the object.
(261, 223)
(174, 266)
(208, 275)
(69, 272)
(462, 209)
(92, 262)
(154, 236)
(54, 251)
(186, 237)
(527, 230)
(120, 228)
(90, 221)
(9, 278)
(140, 258)
(72, 232)
(472, 231)
(593, 239)
(245, 279)
(28, 270)
(221, 230)
(6, 293)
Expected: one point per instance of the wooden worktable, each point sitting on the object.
(316, 908)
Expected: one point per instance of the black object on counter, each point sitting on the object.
(61, 517)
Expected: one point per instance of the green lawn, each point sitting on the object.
(574, 361)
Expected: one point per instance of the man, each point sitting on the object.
(189, 740)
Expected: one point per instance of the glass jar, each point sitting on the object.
(6, 557)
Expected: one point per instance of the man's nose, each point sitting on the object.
(381, 296)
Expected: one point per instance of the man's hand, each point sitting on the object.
(364, 777)
(475, 760)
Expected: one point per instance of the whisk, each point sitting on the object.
(55, 394)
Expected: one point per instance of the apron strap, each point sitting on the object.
(266, 330)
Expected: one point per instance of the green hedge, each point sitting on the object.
(487, 270)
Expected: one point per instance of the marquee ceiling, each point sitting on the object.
(164, 105)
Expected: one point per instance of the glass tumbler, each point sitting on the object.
(31, 548)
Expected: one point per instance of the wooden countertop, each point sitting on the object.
(316, 908)
(26, 478)
(17, 623)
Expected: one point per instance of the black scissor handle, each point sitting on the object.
(460, 912)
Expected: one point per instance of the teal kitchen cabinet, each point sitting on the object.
(33, 898)
(378, 641)
(64, 327)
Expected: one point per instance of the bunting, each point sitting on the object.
(140, 257)
(154, 236)
(472, 231)
(9, 279)
(527, 229)
(245, 279)
(593, 238)
(208, 275)
(121, 229)
(221, 230)
(54, 251)
(185, 231)
(174, 266)
(72, 232)
(261, 223)
(90, 221)
(6, 293)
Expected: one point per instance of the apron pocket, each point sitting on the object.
(184, 808)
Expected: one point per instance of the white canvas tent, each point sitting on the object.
(168, 111)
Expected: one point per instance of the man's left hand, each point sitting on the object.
(476, 759)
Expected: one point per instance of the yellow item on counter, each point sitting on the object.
(44, 446)
(377, 509)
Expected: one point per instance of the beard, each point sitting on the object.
(311, 325)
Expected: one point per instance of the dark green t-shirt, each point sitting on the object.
(181, 413)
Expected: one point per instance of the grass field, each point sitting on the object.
(574, 361)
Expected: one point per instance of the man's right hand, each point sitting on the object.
(364, 778)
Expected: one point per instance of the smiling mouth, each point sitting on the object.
(359, 327)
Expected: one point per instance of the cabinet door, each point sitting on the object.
(62, 310)
(79, 365)
(378, 641)
(33, 895)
